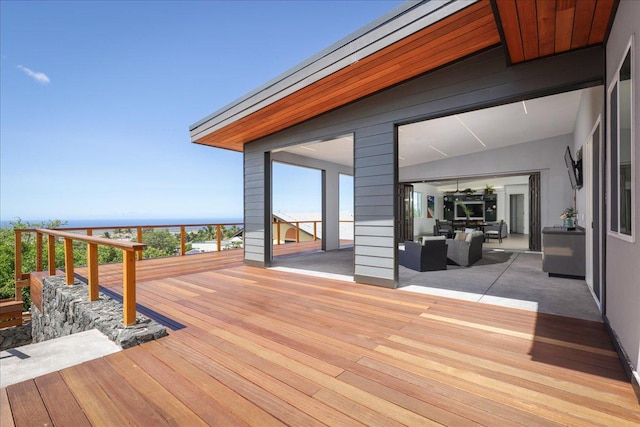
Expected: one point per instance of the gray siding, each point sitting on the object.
(477, 82)
(254, 208)
(623, 269)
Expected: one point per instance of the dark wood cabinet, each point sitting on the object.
(563, 252)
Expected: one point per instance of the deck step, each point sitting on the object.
(10, 313)
(30, 361)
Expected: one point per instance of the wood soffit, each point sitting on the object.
(529, 29)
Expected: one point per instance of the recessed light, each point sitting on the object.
(470, 131)
(307, 148)
(439, 151)
(525, 107)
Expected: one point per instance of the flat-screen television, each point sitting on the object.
(476, 208)
(574, 169)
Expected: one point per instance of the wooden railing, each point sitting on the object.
(131, 251)
(128, 263)
(141, 228)
(296, 226)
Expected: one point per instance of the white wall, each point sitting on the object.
(588, 112)
(425, 225)
(544, 156)
(623, 269)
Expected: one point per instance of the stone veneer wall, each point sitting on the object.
(15, 336)
(66, 310)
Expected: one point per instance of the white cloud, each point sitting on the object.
(35, 75)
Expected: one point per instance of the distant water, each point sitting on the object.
(83, 223)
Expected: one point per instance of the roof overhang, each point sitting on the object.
(411, 40)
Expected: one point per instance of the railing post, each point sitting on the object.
(218, 235)
(68, 260)
(315, 230)
(51, 256)
(278, 233)
(92, 264)
(139, 238)
(18, 263)
(129, 287)
(38, 251)
(182, 240)
(297, 232)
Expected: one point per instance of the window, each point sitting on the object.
(417, 205)
(621, 150)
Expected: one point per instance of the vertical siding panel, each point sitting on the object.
(254, 202)
(374, 218)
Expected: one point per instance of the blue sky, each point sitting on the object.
(96, 99)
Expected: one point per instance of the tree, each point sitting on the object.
(159, 243)
(208, 232)
(7, 255)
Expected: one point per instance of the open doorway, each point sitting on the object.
(316, 205)
(462, 158)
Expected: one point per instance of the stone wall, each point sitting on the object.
(15, 336)
(66, 309)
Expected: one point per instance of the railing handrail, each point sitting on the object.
(127, 227)
(120, 244)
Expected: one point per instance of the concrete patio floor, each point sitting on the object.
(505, 278)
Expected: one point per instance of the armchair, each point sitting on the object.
(465, 252)
(428, 256)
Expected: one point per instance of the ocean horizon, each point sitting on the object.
(133, 222)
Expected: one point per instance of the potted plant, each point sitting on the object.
(567, 218)
(466, 210)
(488, 189)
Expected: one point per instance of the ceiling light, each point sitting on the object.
(470, 131)
(525, 107)
(441, 152)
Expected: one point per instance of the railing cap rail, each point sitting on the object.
(127, 246)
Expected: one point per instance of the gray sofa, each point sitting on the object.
(465, 252)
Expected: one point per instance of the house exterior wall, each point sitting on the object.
(623, 269)
(480, 81)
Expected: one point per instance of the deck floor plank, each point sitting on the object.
(197, 400)
(6, 417)
(61, 405)
(27, 406)
(265, 347)
(94, 401)
(172, 409)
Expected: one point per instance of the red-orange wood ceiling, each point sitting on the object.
(537, 28)
(531, 28)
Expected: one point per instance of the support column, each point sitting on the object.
(375, 182)
(330, 210)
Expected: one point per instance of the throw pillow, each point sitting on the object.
(461, 236)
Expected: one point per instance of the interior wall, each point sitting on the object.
(623, 269)
(546, 156)
(588, 112)
(425, 225)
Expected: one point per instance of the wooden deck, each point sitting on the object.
(260, 347)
